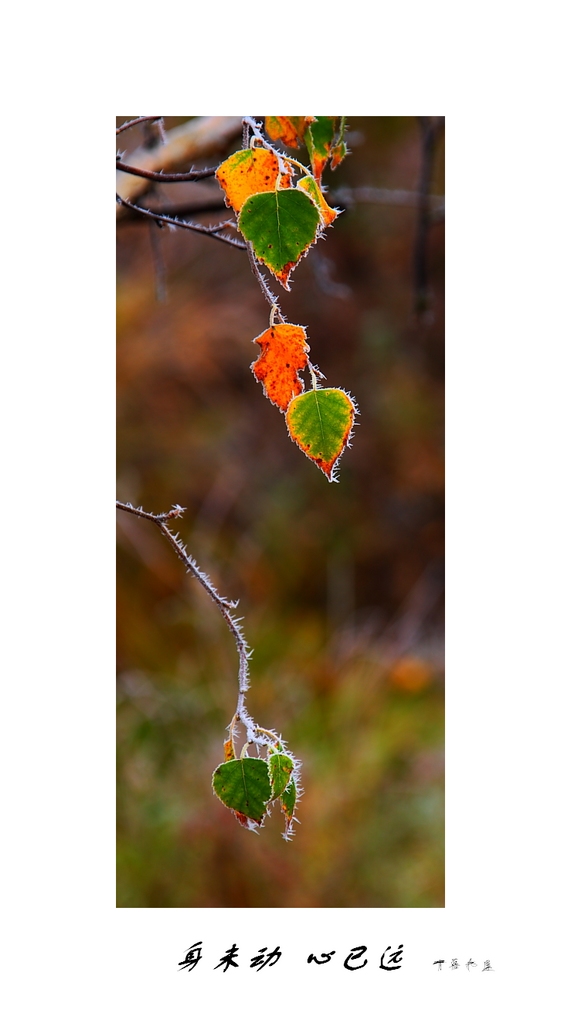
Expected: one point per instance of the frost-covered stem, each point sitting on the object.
(267, 732)
(250, 122)
(137, 120)
(226, 607)
(258, 136)
(271, 299)
(214, 231)
(297, 163)
(194, 175)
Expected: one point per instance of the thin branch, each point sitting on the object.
(271, 299)
(194, 140)
(193, 175)
(214, 231)
(247, 124)
(224, 605)
(177, 210)
(137, 120)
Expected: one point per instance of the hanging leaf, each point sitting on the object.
(250, 171)
(229, 752)
(288, 803)
(283, 354)
(338, 153)
(289, 130)
(280, 770)
(281, 226)
(311, 187)
(323, 137)
(320, 422)
(244, 786)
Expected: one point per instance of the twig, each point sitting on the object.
(137, 120)
(194, 140)
(271, 299)
(225, 606)
(179, 210)
(247, 124)
(203, 229)
(193, 175)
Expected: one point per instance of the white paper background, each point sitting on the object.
(71, 956)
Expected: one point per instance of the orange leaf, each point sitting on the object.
(250, 171)
(289, 130)
(283, 353)
(229, 752)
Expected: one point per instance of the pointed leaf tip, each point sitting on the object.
(281, 226)
(283, 353)
(243, 785)
(320, 422)
(288, 803)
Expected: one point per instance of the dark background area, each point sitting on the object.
(340, 585)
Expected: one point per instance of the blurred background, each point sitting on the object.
(340, 585)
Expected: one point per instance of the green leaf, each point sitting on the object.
(323, 138)
(288, 799)
(320, 422)
(288, 803)
(281, 226)
(280, 770)
(243, 785)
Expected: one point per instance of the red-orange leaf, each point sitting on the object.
(290, 130)
(248, 172)
(283, 353)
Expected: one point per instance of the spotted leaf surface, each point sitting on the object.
(311, 187)
(323, 137)
(283, 353)
(244, 786)
(320, 423)
(280, 770)
(250, 171)
(288, 130)
(281, 226)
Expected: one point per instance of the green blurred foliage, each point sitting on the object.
(340, 585)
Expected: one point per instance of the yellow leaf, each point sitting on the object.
(327, 213)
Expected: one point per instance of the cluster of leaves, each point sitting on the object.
(250, 786)
(281, 212)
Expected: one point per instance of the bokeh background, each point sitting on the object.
(340, 585)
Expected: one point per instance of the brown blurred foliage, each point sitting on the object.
(340, 585)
